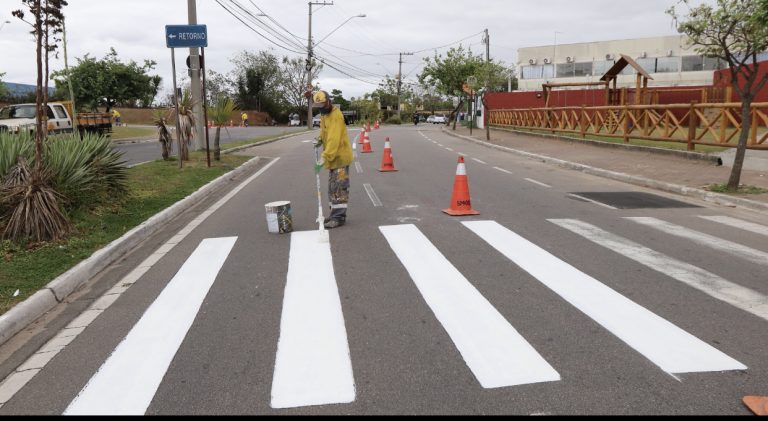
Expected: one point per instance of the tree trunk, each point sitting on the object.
(216, 146)
(39, 97)
(455, 114)
(164, 141)
(741, 149)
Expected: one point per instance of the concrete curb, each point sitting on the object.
(600, 144)
(29, 310)
(717, 198)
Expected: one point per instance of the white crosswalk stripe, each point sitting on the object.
(738, 223)
(495, 352)
(735, 249)
(313, 365)
(126, 383)
(666, 345)
(741, 297)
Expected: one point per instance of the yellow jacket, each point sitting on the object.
(337, 151)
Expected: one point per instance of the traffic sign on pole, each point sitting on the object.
(186, 36)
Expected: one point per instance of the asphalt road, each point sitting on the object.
(149, 150)
(545, 303)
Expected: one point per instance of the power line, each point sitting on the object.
(231, 12)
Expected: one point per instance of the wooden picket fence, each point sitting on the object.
(717, 124)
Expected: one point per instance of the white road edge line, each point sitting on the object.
(18, 379)
(372, 195)
(740, 297)
(479, 161)
(127, 381)
(493, 350)
(592, 201)
(672, 349)
(538, 182)
(502, 170)
(313, 364)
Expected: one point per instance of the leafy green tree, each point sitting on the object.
(220, 113)
(258, 82)
(337, 97)
(448, 74)
(293, 83)
(734, 31)
(3, 90)
(109, 82)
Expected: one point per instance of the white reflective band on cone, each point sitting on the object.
(461, 170)
(386, 145)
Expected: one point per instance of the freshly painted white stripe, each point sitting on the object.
(666, 345)
(735, 249)
(738, 223)
(372, 195)
(744, 298)
(502, 170)
(306, 141)
(440, 145)
(592, 201)
(495, 352)
(358, 167)
(341, 206)
(538, 182)
(449, 149)
(313, 365)
(479, 161)
(127, 381)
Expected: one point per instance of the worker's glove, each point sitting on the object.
(319, 165)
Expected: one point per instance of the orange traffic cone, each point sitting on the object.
(461, 204)
(367, 144)
(376, 126)
(757, 404)
(362, 137)
(387, 164)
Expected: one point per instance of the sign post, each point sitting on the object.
(185, 36)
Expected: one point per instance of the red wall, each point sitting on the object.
(723, 79)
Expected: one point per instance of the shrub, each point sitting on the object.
(394, 120)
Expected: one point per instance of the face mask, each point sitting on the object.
(325, 111)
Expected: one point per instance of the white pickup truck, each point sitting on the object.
(21, 117)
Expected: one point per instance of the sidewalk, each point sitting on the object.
(664, 168)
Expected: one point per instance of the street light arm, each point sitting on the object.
(338, 27)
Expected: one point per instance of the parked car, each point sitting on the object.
(294, 121)
(440, 119)
(21, 117)
(431, 119)
(316, 121)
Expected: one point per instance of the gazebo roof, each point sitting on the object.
(623, 62)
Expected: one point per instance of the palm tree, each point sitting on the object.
(186, 124)
(163, 134)
(220, 113)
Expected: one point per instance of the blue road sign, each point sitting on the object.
(186, 36)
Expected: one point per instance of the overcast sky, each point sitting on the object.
(367, 47)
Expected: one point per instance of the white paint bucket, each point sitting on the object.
(279, 217)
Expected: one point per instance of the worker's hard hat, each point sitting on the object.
(319, 99)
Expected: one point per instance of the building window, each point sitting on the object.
(713, 63)
(582, 69)
(648, 64)
(667, 64)
(693, 63)
(565, 70)
(540, 71)
(600, 68)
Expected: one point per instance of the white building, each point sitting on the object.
(667, 59)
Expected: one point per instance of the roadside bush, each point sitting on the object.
(394, 120)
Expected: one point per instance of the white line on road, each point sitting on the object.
(372, 195)
(592, 201)
(502, 170)
(313, 364)
(734, 249)
(440, 145)
(666, 345)
(479, 161)
(738, 223)
(495, 352)
(538, 182)
(449, 149)
(358, 167)
(744, 298)
(127, 381)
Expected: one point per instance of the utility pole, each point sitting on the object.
(194, 74)
(69, 78)
(400, 81)
(487, 41)
(309, 60)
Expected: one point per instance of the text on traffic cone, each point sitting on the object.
(461, 204)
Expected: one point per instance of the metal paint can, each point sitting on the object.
(279, 217)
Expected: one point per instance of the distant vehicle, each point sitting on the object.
(294, 121)
(440, 119)
(21, 117)
(431, 119)
(316, 121)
